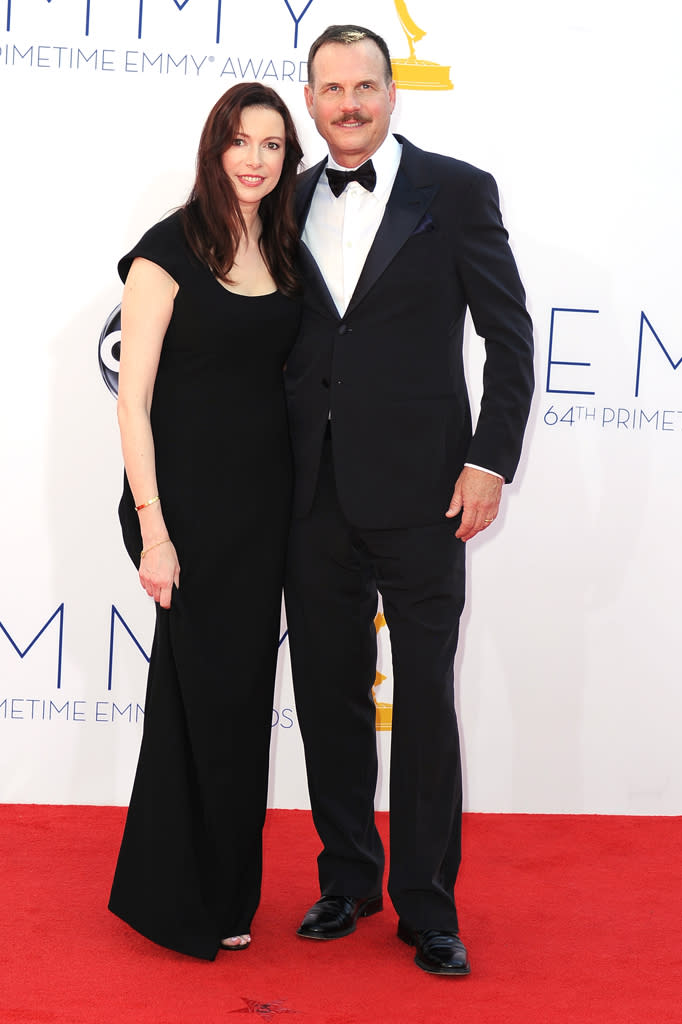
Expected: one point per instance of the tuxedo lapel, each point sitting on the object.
(404, 211)
(315, 283)
(305, 188)
(316, 286)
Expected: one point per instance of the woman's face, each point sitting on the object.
(253, 160)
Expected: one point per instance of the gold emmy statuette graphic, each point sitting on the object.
(410, 73)
(384, 711)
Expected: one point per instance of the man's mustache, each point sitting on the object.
(351, 118)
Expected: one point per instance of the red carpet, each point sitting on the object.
(567, 919)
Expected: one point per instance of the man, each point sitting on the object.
(390, 482)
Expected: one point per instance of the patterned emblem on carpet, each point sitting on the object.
(264, 1010)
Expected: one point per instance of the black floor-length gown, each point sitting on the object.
(189, 868)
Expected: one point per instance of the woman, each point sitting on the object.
(209, 313)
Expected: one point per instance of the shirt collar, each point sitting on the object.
(386, 161)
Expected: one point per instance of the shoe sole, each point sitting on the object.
(451, 972)
(373, 906)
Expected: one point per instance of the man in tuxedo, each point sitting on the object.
(390, 483)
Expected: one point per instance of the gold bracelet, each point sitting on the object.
(146, 504)
(151, 547)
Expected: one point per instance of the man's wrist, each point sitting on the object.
(484, 470)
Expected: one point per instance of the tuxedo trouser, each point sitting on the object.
(333, 574)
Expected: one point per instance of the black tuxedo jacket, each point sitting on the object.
(390, 369)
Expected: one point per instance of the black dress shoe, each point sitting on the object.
(437, 952)
(332, 917)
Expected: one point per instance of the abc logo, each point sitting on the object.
(110, 350)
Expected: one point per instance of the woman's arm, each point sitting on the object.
(146, 310)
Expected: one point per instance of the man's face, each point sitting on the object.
(349, 100)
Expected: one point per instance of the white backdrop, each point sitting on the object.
(568, 673)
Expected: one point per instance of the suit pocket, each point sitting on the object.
(424, 225)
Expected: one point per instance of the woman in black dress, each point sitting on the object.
(210, 311)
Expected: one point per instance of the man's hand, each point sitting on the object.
(477, 495)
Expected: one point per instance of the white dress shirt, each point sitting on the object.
(340, 230)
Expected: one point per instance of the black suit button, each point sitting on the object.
(345, 329)
(325, 382)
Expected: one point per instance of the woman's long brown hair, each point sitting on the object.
(212, 219)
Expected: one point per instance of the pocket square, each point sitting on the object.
(425, 224)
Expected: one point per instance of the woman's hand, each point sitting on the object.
(159, 570)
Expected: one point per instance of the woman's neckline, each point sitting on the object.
(244, 295)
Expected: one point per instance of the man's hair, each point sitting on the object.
(349, 34)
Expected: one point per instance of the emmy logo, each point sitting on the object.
(384, 719)
(410, 73)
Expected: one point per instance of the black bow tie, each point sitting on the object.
(365, 175)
